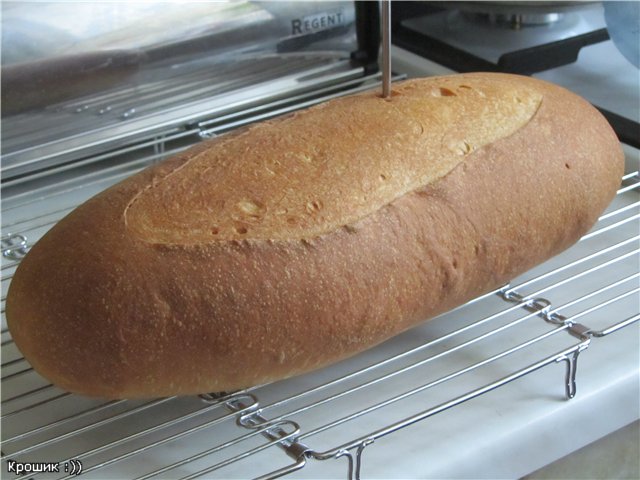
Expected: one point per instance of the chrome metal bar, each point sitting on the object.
(33, 405)
(616, 327)
(201, 83)
(575, 263)
(628, 187)
(7, 277)
(206, 88)
(300, 463)
(143, 91)
(62, 421)
(594, 293)
(16, 374)
(6, 266)
(443, 406)
(609, 227)
(218, 448)
(243, 455)
(386, 48)
(604, 304)
(98, 158)
(619, 210)
(15, 361)
(424, 362)
(630, 175)
(38, 217)
(138, 164)
(126, 98)
(105, 421)
(155, 428)
(440, 380)
(583, 273)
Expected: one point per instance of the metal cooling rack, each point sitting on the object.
(162, 100)
(548, 316)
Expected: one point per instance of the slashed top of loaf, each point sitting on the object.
(329, 166)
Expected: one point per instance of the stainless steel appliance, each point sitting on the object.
(480, 392)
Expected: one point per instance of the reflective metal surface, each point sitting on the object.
(84, 77)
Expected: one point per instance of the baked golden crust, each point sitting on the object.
(292, 178)
(108, 309)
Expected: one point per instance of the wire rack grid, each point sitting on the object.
(547, 316)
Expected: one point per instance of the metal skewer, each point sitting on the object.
(386, 48)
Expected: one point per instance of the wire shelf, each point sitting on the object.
(161, 103)
(547, 316)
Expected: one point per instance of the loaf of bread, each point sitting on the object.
(297, 242)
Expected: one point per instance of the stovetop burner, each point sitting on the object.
(516, 15)
(524, 38)
(480, 36)
(514, 21)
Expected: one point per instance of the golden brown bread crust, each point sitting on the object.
(99, 310)
(322, 168)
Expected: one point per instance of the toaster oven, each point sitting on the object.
(93, 92)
